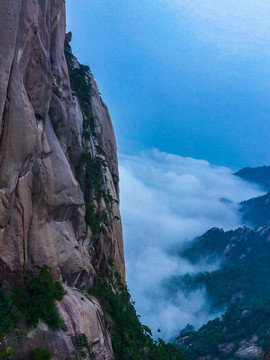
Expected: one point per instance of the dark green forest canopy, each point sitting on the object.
(241, 285)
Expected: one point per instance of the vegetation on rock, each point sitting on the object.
(81, 344)
(91, 169)
(131, 339)
(34, 303)
(6, 354)
(37, 301)
(40, 354)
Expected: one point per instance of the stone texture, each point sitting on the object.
(249, 350)
(226, 347)
(41, 204)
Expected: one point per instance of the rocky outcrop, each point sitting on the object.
(249, 349)
(43, 187)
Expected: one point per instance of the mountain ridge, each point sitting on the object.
(258, 175)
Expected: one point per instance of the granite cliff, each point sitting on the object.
(58, 184)
(62, 271)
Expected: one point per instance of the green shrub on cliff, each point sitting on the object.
(130, 339)
(90, 170)
(6, 354)
(95, 189)
(79, 80)
(37, 302)
(81, 343)
(40, 354)
(7, 319)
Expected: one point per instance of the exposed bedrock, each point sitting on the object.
(42, 204)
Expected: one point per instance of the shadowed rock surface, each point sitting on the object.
(44, 130)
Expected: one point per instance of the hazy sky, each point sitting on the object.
(190, 77)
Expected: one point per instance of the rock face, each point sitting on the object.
(43, 187)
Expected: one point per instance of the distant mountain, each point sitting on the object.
(256, 211)
(241, 333)
(258, 175)
(241, 285)
(239, 288)
(239, 251)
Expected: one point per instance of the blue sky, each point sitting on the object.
(189, 77)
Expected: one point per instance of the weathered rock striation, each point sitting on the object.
(48, 138)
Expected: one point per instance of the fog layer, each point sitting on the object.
(167, 200)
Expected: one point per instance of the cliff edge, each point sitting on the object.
(59, 214)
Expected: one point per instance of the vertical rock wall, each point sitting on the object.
(43, 182)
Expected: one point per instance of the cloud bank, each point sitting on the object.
(167, 200)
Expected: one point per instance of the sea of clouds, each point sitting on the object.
(167, 200)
